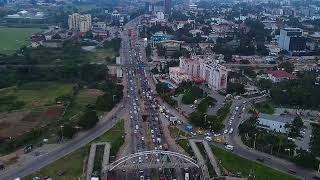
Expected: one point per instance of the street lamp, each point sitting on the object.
(254, 142)
(113, 98)
(205, 118)
(61, 128)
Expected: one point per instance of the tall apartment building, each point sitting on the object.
(78, 22)
(201, 69)
(214, 74)
(291, 39)
(167, 6)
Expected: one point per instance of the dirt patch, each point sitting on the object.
(93, 92)
(18, 123)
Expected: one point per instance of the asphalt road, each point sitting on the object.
(70, 147)
(252, 154)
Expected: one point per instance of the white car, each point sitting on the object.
(229, 147)
(231, 131)
(208, 138)
(225, 131)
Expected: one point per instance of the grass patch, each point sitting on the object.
(104, 55)
(205, 103)
(184, 144)
(211, 171)
(265, 107)
(37, 94)
(236, 164)
(14, 38)
(177, 133)
(73, 164)
(84, 98)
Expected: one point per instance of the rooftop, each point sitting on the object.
(277, 118)
(281, 74)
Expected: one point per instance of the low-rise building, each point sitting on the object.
(280, 75)
(177, 75)
(276, 123)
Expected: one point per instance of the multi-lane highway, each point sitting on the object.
(146, 129)
(144, 110)
(28, 168)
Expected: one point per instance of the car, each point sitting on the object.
(225, 131)
(316, 177)
(229, 147)
(207, 133)
(231, 131)
(200, 132)
(291, 171)
(208, 138)
(142, 138)
(260, 159)
(193, 133)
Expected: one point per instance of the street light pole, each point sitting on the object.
(254, 142)
(205, 118)
(113, 98)
(61, 127)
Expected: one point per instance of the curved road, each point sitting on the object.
(28, 168)
(252, 154)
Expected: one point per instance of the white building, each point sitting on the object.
(214, 74)
(78, 22)
(201, 69)
(274, 123)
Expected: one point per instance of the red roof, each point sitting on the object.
(281, 74)
(318, 119)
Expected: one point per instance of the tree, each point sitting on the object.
(148, 50)
(228, 57)
(265, 83)
(161, 50)
(287, 66)
(306, 160)
(89, 119)
(295, 127)
(67, 131)
(235, 88)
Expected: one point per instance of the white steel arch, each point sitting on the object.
(177, 160)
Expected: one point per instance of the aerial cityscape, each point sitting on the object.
(159, 89)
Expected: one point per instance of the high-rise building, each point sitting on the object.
(291, 39)
(201, 70)
(167, 6)
(78, 22)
